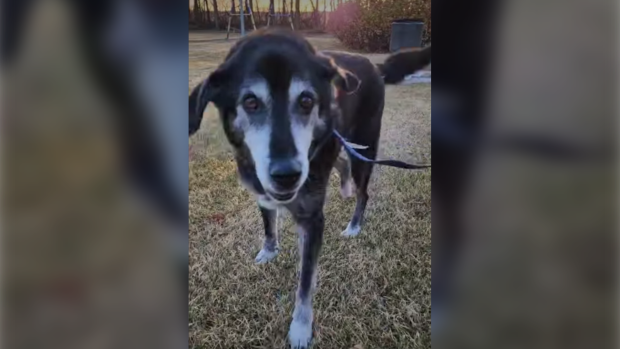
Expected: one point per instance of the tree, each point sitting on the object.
(297, 12)
(317, 15)
(271, 7)
(197, 12)
(208, 12)
(324, 13)
(216, 15)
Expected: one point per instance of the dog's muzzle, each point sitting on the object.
(285, 176)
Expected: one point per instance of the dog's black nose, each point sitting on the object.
(285, 173)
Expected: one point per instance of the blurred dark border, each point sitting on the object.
(142, 159)
(463, 44)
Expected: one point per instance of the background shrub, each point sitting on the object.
(366, 24)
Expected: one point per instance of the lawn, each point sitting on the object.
(374, 291)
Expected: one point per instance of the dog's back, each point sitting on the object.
(364, 108)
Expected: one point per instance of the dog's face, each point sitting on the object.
(276, 100)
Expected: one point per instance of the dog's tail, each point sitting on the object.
(401, 64)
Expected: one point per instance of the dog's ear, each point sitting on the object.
(343, 79)
(207, 91)
(346, 81)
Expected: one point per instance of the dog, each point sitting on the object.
(279, 102)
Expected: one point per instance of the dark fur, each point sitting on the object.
(404, 63)
(276, 55)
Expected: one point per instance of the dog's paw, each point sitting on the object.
(347, 190)
(300, 334)
(265, 256)
(351, 231)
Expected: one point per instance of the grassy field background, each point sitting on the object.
(374, 291)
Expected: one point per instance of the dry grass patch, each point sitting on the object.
(373, 291)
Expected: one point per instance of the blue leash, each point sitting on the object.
(392, 163)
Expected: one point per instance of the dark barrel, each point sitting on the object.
(406, 33)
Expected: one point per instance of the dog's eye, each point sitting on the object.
(250, 103)
(306, 103)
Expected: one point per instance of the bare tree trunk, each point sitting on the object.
(292, 12)
(197, 12)
(271, 6)
(216, 14)
(256, 11)
(194, 10)
(297, 13)
(324, 13)
(316, 15)
(208, 12)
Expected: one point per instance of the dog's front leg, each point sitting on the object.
(310, 230)
(270, 245)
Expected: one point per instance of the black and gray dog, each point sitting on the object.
(279, 101)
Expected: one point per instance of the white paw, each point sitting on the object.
(300, 334)
(351, 231)
(348, 189)
(265, 256)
